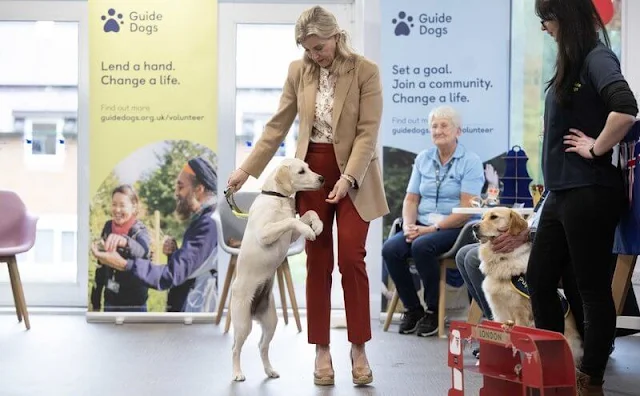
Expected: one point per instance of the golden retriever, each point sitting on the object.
(271, 228)
(503, 271)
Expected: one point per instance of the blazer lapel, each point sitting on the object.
(310, 90)
(342, 89)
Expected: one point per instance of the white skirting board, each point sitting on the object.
(628, 322)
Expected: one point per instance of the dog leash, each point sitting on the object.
(228, 194)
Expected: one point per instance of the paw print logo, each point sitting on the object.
(403, 24)
(113, 21)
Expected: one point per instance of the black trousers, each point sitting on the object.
(574, 242)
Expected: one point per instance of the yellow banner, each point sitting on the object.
(153, 77)
(153, 107)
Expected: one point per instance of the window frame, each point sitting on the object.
(233, 14)
(28, 134)
(67, 287)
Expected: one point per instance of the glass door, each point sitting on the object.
(253, 68)
(43, 136)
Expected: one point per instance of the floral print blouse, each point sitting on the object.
(322, 132)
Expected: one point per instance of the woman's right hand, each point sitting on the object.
(237, 178)
(169, 246)
(411, 232)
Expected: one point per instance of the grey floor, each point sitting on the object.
(65, 355)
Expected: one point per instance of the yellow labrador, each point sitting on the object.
(504, 285)
(271, 228)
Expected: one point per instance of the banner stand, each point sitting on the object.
(474, 81)
(153, 164)
(120, 318)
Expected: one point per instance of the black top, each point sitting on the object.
(131, 292)
(587, 111)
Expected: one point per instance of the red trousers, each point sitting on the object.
(352, 236)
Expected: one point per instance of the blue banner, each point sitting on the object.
(453, 53)
(434, 53)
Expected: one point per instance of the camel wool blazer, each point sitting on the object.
(357, 109)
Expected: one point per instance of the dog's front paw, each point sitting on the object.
(309, 216)
(238, 377)
(317, 226)
(312, 219)
(308, 233)
(271, 373)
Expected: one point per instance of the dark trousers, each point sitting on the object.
(425, 251)
(352, 237)
(574, 242)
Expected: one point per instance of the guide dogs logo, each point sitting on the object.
(435, 24)
(112, 21)
(403, 24)
(144, 21)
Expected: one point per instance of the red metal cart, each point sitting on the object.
(514, 360)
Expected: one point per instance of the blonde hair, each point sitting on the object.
(446, 112)
(317, 21)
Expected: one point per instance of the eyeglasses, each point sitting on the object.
(545, 20)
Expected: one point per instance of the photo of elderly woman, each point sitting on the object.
(128, 236)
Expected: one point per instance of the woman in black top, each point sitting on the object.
(127, 235)
(588, 109)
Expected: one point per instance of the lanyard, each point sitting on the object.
(440, 180)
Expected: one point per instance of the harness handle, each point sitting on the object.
(228, 194)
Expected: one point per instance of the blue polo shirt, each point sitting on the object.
(440, 185)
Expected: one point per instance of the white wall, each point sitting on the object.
(368, 31)
(630, 47)
(367, 23)
(46, 53)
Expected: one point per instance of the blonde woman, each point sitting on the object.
(338, 98)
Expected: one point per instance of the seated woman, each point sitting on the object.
(443, 177)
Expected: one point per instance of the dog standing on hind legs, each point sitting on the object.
(271, 228)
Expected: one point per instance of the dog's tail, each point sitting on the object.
(261, 295)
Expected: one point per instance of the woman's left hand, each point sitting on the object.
(416, 231)
(339, 191)
(115, 241)
(579, 143)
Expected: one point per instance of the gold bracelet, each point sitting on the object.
(350, 179)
